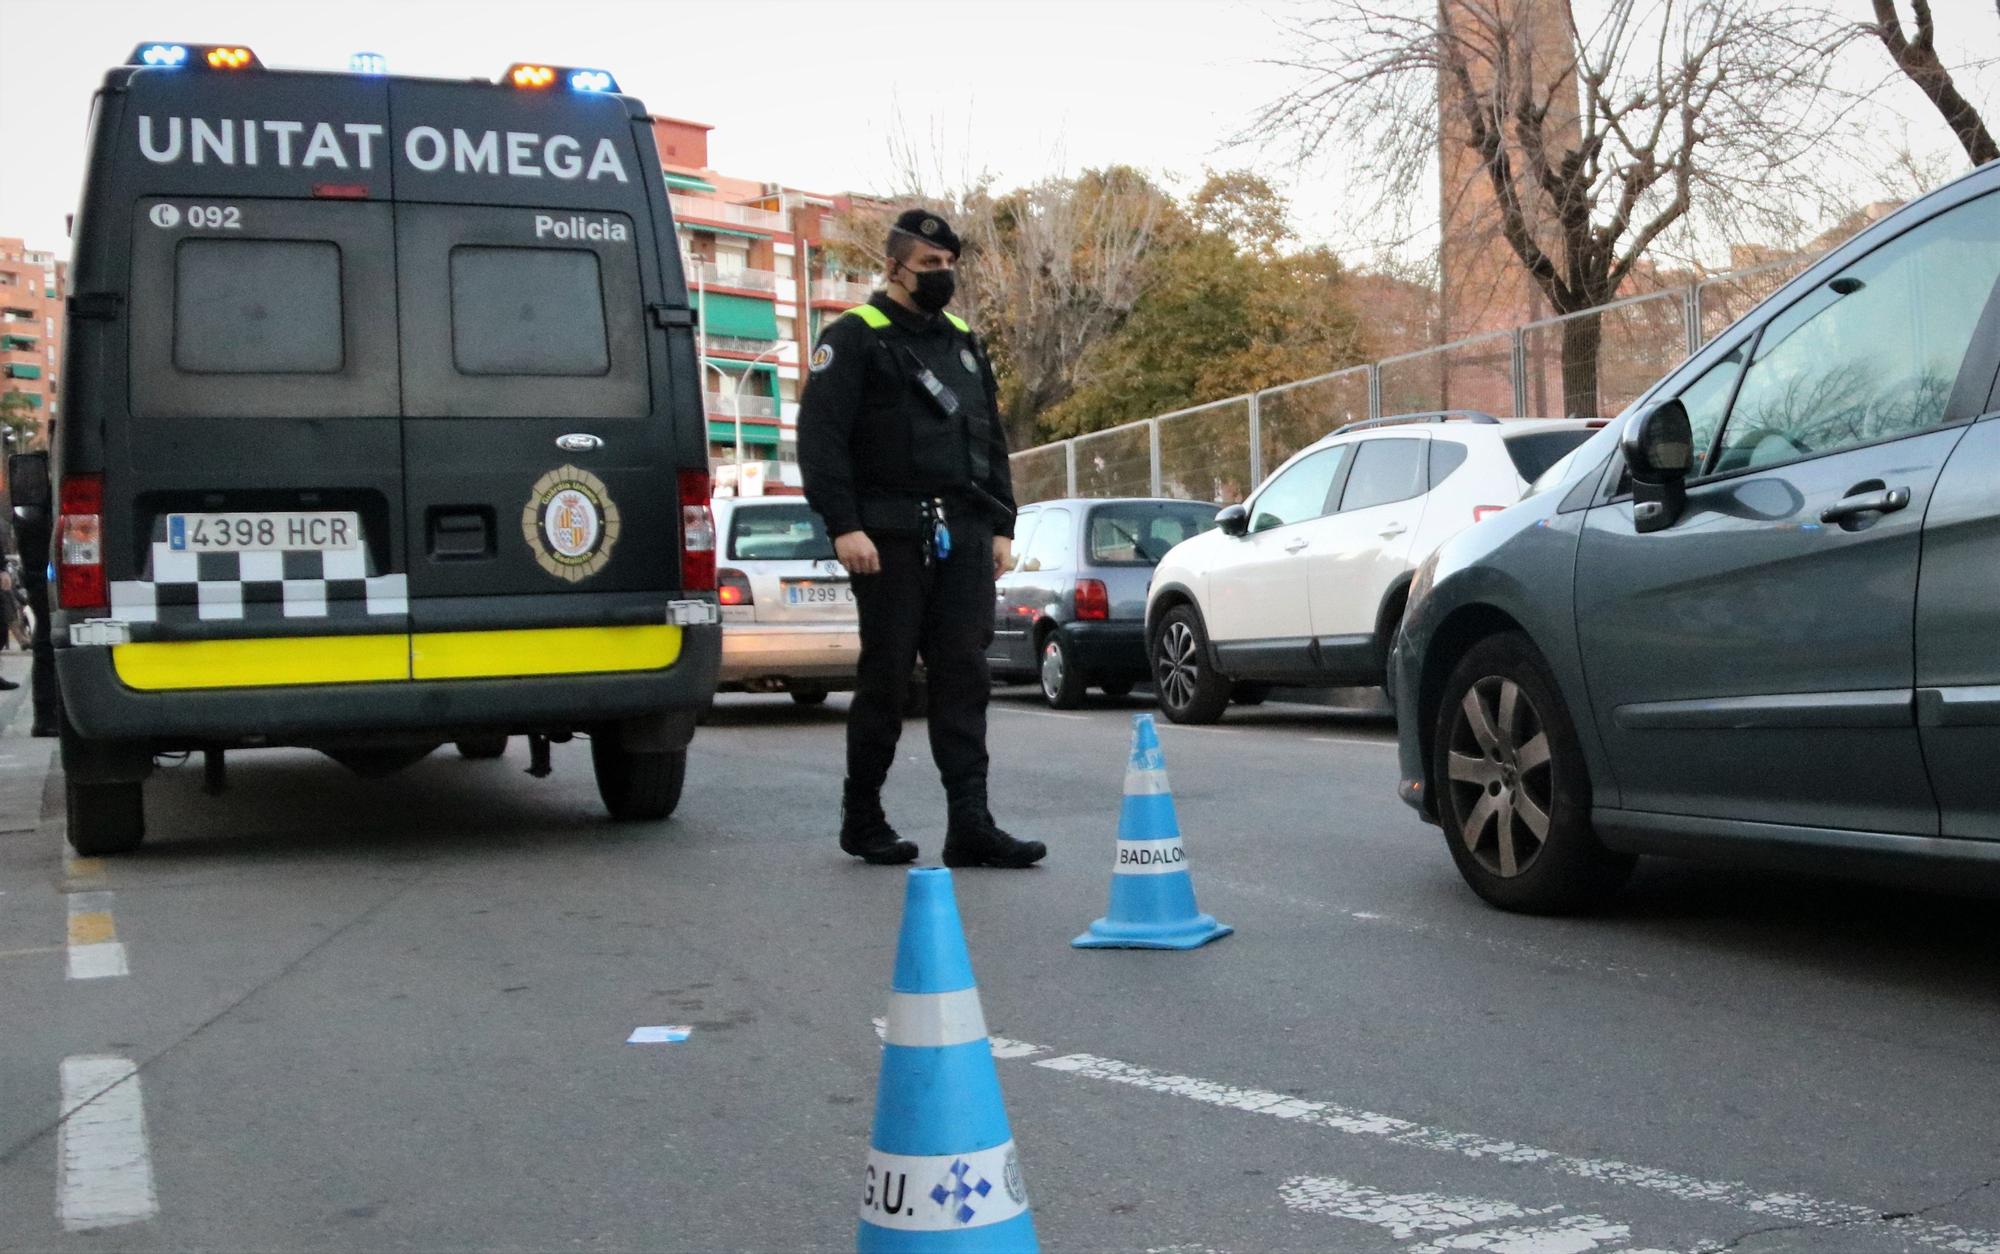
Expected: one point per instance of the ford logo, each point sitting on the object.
(578, 442)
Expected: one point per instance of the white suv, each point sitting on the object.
(1305, 583)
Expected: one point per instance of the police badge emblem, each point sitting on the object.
(966, 359)
(570, 523)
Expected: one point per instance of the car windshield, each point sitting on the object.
(777, 533)
(1535, 452)
(1139, 533)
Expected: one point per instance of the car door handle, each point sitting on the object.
(1391, 531)
(1297, 545)
(1886, 501)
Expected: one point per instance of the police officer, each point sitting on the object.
(902, 453)
(34, 521)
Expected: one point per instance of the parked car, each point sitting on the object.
(1305, 583)
(1072, 611)
(1755, 620)
(788, 616)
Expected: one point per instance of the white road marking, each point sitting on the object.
(95, 952)
(1015, 709)
(1407, 1215)
(1352, 740)
(1793, 1208)
(104, 1170)
(98, 962)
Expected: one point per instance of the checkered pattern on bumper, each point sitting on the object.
(258, 586)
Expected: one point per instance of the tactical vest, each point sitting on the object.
(978, 421)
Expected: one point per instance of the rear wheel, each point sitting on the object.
(1189, 688)
(1062, 679)
(481, 748)
(636, 784)
(105, 818)
(1513, 789)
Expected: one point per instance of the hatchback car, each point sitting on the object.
(1305, 583)
(1754, 620)
(1072, 611)
(788, 618)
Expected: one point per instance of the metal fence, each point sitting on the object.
(1219, 451)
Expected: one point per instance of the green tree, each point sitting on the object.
(18, 417)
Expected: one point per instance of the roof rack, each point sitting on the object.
(1478, 416)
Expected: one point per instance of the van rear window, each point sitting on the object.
(777, 533)
(250, 306)
(537, 311)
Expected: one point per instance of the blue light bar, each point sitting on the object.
(166, 55)
(592, 80)
(368, 63)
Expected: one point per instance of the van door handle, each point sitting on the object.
(1391, 531)
(1886, 501)
(1296, 545)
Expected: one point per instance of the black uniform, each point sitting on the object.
(873, 449)
(33, 527)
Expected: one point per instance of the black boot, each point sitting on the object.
(973, 839)
(865, 830)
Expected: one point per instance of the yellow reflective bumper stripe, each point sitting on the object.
(543, 651)
(159, 665)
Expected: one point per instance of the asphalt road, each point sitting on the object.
(391, 1015)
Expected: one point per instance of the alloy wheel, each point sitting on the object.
(1176, 664)
(1502, 778)
(1052, 668)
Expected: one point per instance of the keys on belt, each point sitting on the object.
(936, 531)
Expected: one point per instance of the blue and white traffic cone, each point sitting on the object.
(1152, 894)
(942, 1171)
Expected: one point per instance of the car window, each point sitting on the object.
(777, 533)
(1874, 351)
(257, 306)
(1299, 492)
(1384, 471)
(1049, 547)
(1024, 530)
(1139, 533)
(1707, 401)
(1446, 456)
(1535, 451)
(527, 311)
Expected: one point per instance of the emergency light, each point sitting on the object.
(368, 63)
(538, 77)
(164, 56)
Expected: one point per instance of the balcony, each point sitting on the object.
(705, 210)
(741, 344)
(719, 406)
(708, 274)
(839, 292)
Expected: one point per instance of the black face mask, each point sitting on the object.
(934, 289)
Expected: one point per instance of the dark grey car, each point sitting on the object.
(1072, 611)
(1756, 617)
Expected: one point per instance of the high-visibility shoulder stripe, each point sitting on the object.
(870, 315)
(958, 322)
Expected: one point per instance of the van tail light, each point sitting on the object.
(697, 533)
(1093, 601)
(732, 587)
(80, 553)
(1480, 513)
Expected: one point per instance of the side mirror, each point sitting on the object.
(1233, 520)
(28, 482)
(1659, 452)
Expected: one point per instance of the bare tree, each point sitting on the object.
(1917, 57)
(1591, 138)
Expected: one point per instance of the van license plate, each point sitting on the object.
(260, 533)
(818, 592)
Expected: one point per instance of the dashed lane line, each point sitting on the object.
(104, 1167)
(95, 952)
(1788, 1208)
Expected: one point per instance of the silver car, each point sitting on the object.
(788, 618)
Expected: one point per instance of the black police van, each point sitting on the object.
(381, 428)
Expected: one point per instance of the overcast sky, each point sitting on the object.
(805, 92)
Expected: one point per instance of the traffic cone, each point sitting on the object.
(942, 1171)
(1152, 894)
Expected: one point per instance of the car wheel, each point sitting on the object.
(105, 818)
(481, 748)
(809, 696)
(1116, 688)
(1062, 679)
(635, 784)
(1190, 690)
(1250, 694)
(1513, 788)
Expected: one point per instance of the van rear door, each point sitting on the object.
(255, 489)
(539, 455)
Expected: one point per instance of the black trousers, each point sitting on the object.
(42, 674)
(944, 613)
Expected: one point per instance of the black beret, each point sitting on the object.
(928, 227)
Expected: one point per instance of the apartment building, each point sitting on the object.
(32, 287)
(763, 272)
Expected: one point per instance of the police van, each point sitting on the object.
(381, 428)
